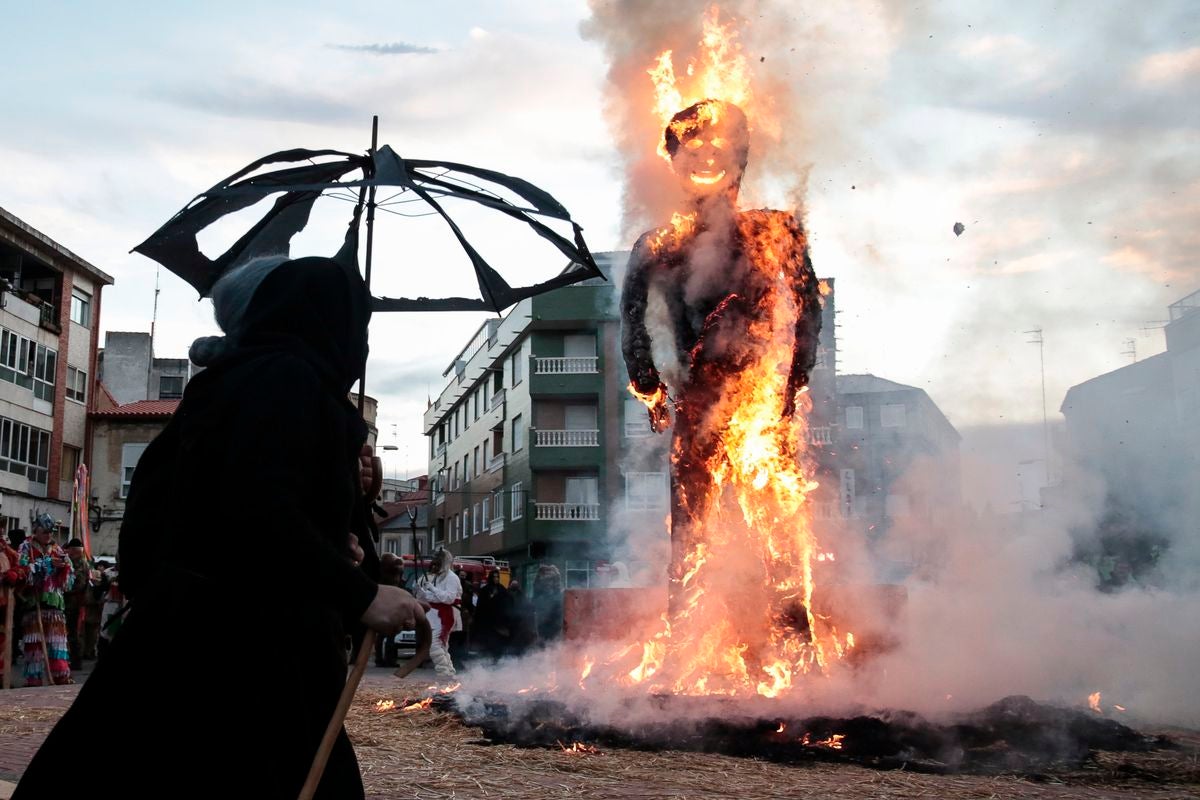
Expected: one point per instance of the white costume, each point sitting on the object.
(443, 591)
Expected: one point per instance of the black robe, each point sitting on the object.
(227, 670)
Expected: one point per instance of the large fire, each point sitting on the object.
(742, 475)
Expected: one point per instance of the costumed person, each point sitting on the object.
(75, 600)
(442, 590)
(12, 576)
(460, 641)
(265, 433)
(44, 629)
(112, 608)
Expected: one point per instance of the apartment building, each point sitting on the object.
(49, 322)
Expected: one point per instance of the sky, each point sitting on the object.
(1063, 135)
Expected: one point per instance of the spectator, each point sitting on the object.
(460, 642)
(547, 602)
(519, 612)
(440, 588)
(17, 598)
(112, 609)
(45, 627)
(261, 459)
(75, 599)
(12, 576)
(490, 627)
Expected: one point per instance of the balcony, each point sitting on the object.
(567, 512)
(441, 450)
(562, 438)
(570, 365)
(496, 462)
(496, 525)
(820, 435)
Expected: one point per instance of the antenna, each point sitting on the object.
(1040, 341)
(153, 322)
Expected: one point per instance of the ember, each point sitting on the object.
(1013, 735)
(420, 705)
(385, 705)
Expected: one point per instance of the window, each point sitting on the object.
(76, 384)
(498, 504)
(583, 491)
(645, 491)
(17, 359)
(24, 450)
(70, 462)
(466, 467)
(578, 575)
(854, 417)
(454, 479)
(518, 436)
(130, 453)
(44, 370)
(579, 345)
(81, 308)
(475, 402)
(518, 373)
(637, 419)
(170, 387)
(475, 520)
(892, 415)
(392, 546)
(478, 466)
(487, 501)
(518, 501)
(466, 523)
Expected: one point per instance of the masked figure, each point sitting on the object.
(442, 590)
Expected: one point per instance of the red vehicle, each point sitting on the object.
(476, 567)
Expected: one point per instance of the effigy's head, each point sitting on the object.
(709, 143)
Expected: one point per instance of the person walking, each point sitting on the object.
(48, 577)
(441, 589)
(262, 458)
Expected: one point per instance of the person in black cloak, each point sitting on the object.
(225, 673)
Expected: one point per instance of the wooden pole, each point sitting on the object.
(37, 609)
(339, 716)
(10, 598)
(362, 379)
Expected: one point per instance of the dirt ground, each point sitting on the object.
(423, 753)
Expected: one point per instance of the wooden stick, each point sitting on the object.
(10, 599)
(37, 607)
(339, 716)
(424, 642)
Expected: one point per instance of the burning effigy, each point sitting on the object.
(756, 642)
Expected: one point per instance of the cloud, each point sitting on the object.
(1163, 69)
(388, 49)
(248, 98)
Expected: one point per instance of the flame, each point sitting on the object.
(656, 402)
(385, 705)
(1119, 708)
(718, 71)
(420, 705)
(588, 663)
(1094, 702)
(833, 742)
(781, 728)
(580, 747)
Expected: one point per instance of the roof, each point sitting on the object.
(32, 232)
(1154, 370)
(863, 384)
(140, 409)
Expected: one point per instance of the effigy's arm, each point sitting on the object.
(806, 292)
(636, 345)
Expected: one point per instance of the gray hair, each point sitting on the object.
(231, 296)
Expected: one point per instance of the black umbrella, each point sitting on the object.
(175, 245)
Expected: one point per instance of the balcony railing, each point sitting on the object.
(542, 438)
(496, 462)
(574, 512)
(820, 435)
(441, 449)
(497, 525)
(568, 365)
(637, 428)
